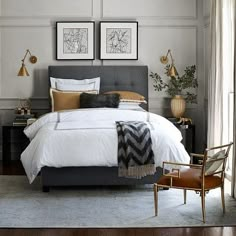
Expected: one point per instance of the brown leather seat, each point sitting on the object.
(200, 178)
(190, 178)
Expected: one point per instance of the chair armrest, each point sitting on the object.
(171, 175)
(198, 156)
(180, 164)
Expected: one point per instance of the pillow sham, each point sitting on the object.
(61, 100)
(130, 106)
(74, 85)
(128, 96)
(99, 100)
(212, 167)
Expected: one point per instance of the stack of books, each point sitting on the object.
(21, 120)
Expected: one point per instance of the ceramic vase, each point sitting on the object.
(178, 105)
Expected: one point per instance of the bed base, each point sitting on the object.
(89, 176)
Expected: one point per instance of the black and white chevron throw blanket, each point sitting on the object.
(135, 155)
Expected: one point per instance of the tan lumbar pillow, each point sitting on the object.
(128, 96)
(62, 100)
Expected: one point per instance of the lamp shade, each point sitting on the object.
(23, 71)
(173, 71)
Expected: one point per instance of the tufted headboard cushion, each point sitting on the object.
(132, 78)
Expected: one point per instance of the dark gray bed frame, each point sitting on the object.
(132, 78)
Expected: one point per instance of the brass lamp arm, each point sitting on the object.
(172, 60)
(164, 60)
(33, 59)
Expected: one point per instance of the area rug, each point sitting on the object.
(25, 205)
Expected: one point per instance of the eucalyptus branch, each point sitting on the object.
(177, 85)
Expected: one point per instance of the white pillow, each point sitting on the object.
(74, 85)
(130, 106)
(212, 167)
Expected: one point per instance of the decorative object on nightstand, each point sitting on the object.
(177, 86)
(22, 120)
(33, 59)
(23, 113)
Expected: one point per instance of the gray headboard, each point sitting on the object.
(132, 78)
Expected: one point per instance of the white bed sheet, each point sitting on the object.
(88, 137)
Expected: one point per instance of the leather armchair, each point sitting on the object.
(198, 177)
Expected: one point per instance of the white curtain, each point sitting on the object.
(221, 74)
(215, 83)
(234, 133)
(234, 126)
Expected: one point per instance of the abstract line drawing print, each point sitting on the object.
(118, 40)
(75, 40)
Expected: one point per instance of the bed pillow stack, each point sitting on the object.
(65, 93)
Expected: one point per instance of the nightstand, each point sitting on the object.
(12, 136)
(188, 134)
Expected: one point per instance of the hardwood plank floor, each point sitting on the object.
(16, 169)
(197, 231)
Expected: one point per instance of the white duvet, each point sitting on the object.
(88, 137)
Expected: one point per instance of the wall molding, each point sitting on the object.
(164, 103)
(38, 103)
(15, 21)
(47, 21)
(193, 17)
(42, 103)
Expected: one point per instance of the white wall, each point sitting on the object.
(163, 24)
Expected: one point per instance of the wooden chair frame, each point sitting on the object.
(202, 190)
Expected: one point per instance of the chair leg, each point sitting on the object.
(156, 198)
(203, 205)
(223, 198)
(185, 196)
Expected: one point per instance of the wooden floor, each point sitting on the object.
(16, 169)
(208, 231)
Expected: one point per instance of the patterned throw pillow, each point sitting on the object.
(213, 166)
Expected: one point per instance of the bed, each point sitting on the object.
(132, 78)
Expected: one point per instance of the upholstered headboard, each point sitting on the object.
(132, 78)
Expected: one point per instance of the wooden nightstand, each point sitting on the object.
(12, 135)
(188, 134)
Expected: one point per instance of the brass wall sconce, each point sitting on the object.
(33, 59)
(164, 60)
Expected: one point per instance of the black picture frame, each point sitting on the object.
(75, 40)
(118, 40)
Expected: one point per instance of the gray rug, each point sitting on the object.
(24, 205)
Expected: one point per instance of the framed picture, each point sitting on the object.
(75, 40)
(119, 40)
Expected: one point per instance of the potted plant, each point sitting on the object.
(180, 88)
